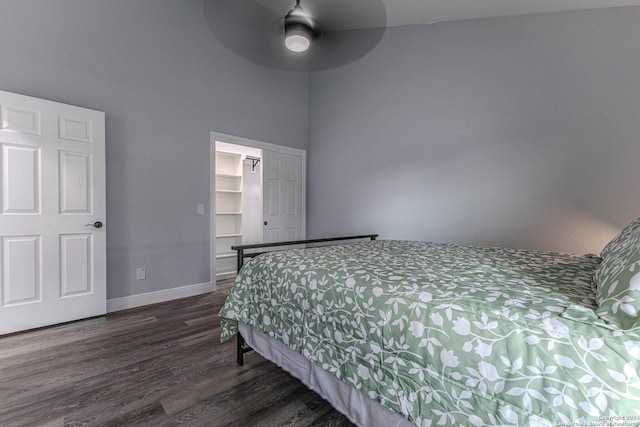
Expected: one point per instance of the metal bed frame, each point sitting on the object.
(242, 348)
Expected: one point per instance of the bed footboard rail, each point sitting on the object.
(242, 347)
(241, 254)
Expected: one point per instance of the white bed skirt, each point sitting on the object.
(360, 409)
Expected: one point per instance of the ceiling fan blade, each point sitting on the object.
(338, 48)
(245, 28)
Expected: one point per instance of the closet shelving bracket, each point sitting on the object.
(254, 162)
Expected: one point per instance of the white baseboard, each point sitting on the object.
(139, 300)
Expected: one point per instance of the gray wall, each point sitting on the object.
(164, 83)
(520, 132)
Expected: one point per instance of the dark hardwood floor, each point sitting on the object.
(160, 365)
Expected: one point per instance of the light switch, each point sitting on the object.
(200, 209)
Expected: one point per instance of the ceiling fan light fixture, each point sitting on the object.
(297, 41)
(299, 29)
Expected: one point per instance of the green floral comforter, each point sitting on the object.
(446, 334)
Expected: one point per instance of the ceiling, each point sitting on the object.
(410, 12)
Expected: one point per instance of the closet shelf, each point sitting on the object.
(230, 180)
(224, 255)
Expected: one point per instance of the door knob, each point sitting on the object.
(96, 224)
(265, 223)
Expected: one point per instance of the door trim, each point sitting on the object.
(262, 145)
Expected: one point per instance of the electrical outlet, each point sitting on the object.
(141, 273)
(200, 209)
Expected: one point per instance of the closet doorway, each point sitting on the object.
(258, 196)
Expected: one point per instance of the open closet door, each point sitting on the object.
(283, 196)
(52, 208)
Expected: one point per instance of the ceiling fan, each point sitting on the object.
(300, 29)
(297, 35)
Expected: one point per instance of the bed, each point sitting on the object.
(417, 333)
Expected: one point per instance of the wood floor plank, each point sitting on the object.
(159, 365)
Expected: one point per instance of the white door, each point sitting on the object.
(52, 206)
(283, 201)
